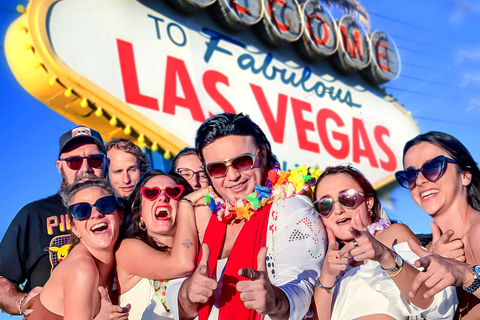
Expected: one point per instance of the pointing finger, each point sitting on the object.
(419, 251)
(358, 221)
(355, 232)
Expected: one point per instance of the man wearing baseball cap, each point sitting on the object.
(37, 238)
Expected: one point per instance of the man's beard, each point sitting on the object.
(84, 176)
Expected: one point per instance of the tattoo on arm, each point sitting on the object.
(187, 243)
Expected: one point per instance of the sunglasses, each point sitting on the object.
(153, 193)
(76, 162)
(243, 162)
(83, 210)
(188, 174)
(432, 170)
(349, 199)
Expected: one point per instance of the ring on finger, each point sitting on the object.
(355, 243)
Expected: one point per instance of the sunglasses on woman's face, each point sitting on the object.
(349, 199)
(76, 162)
(83, 210)
(432, 170)
(243, 162)
(153, 193)
(188, 174)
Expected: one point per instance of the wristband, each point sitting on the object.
(190, 202)
(328, 289)
(396, 269)
(476, 280)
(394, 274)
(20, 305)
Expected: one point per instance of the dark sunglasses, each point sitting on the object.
(153, 193)
(432, 170)
(349, 199)
(75, 162)
(240, 163)
(189, 173)
(83, 210)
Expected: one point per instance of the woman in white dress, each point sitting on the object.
(163, 245)
(365, 273)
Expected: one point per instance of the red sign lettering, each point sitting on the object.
(210, 79)
(322, 117)
(391, 164)
(360, 135)
(356, 46)
(176, 68)
(277, 128)
(130, 78)
(302, 125)
(382, 55)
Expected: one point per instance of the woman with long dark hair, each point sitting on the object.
(444, 180)
(163, 244)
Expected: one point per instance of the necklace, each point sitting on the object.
(278, 186)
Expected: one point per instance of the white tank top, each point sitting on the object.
(148, 301)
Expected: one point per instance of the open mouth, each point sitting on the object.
(428, 193)
(99, 228)
(162, 213)
(343, 221)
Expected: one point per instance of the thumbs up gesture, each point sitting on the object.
(199, 286)
(445, 245)
(257, 292)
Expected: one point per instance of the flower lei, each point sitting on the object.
(377, 226)
(279, 185)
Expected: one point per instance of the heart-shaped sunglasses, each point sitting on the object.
(153, 193)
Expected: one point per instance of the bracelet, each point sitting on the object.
(20, 304)
(190, 202)
(394, 274)
(328, 289)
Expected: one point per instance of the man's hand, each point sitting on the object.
(438, 272)
(258, 293)
(199, 287)
(444, 245)
(109, 311)
(26, 306)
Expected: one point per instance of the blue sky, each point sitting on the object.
(439, 46)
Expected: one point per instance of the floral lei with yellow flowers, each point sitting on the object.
(279, 185)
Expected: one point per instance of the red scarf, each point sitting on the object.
(244, 253)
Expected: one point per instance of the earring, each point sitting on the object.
(142, 226)
(370, 212)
